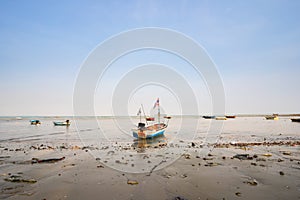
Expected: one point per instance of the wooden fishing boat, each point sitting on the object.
(65, 123)
(150, 118)
(272, 117)
(208, 117)
(230, 116)
(149, 131)
(221, 118)
(296, 120)
(35, 122)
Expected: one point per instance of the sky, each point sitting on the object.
(255, 46)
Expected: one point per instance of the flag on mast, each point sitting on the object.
(156, 103)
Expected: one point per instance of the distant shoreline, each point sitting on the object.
(19, 117)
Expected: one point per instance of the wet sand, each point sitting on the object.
(267, 172)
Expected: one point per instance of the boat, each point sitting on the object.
(230, 116)
(35, 122)
(149, 131)
(221, 118)
(208, 117)
(272, 117)
(65, 123)
(150, 118)
(296, 120)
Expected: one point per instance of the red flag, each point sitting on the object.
(156, 103)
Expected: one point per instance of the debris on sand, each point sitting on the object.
(211, 164)
(183, 175)
(132, 182)
(238, 194)
(207, 158)
(50, 160)
(19, 179)
(281, 173)
(251, 182)
(243, 156)
(287, 153)
(187, 156)
(179, 198)
(267, 155)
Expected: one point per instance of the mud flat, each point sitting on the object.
(267, 170)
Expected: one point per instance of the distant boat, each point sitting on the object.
(35, 122)
(272, 117)
(230, 116)
(150, 118)
(150, 131)
(65, 123)
(209, 117)
(221, 118)
(296, 120)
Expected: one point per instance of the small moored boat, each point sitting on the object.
(296, 120)
(35, 122)
(230, 116)
(150, 131)
(65, 123)
(221, 118)
(208, 117)
(272, 117)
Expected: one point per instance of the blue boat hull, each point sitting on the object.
(150, 136)
(61, 124)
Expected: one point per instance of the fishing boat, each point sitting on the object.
(230, 116)
(221, 118)
(272, 117)
(35, 122)
(296, 120)
(147, 130)
(65, 123)
(208, 117)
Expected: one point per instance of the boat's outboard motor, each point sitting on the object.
(141, 125)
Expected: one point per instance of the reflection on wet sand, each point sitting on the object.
(150, 143)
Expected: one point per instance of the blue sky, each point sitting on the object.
(255, 45)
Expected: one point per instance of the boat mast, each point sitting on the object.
(140, 117)
(158, 110)
(144, 113)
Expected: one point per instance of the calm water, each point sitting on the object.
(111, 140)
(90, 129)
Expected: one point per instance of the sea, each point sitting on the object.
(111, 137)
(119, 128)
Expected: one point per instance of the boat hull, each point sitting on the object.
(35, 122)
(61, 124)
(295, 120)
(208, 117)
(271, 118)
(221, 118)
(230, 116)
(148, 135)
(149, 132)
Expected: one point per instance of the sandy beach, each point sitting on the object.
(257, 168)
